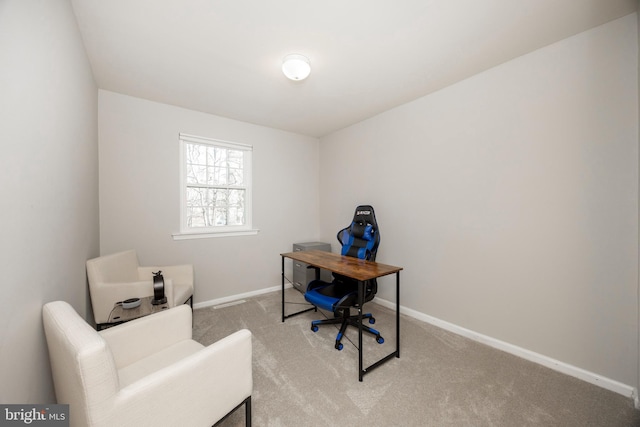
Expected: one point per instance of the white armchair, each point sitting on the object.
(147, 372)
(116, 277)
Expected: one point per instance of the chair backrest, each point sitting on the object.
(118, 267)
(361, 240)
(362, 237)
(83, 368)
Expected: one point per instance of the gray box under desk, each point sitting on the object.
(303, 275)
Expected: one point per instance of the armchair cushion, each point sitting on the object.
(147, 372)
(141, 338)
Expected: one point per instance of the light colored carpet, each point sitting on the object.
(440, 379)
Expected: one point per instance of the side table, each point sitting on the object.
(120, 315)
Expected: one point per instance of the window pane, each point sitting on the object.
(211, 207)
(217, 156)
(235, 159)
(198, 217)
(211, 155)
(218, 176)
(236, 207)
(199, 196)
(220, 216)
(196, 154)
(215, 185)
(236, 198)
(236, 216)
(196, 174)
(220, 197)
(236, 177)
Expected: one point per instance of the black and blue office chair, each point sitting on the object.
(359, 240)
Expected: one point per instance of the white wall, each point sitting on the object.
(139, 194)
(511, 199)
(49, 176)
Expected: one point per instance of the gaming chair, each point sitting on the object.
(360, 240)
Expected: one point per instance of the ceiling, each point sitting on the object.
(224, 56)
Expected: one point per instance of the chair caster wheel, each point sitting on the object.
(339, 346)
(372, 320)
(379, 339)
(314, 328)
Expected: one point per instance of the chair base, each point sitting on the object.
(347, 320)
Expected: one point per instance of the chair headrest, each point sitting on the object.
(365, 214)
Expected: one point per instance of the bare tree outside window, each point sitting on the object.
(216, 184)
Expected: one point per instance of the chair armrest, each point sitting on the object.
(139, 338)
(204, 387)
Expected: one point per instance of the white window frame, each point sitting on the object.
(187, 232)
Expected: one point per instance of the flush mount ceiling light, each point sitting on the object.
(296, 67)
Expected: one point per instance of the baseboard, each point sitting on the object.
(231, 298)
(556, 365)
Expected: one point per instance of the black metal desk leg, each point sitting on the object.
(285, 316)
(360, 303)
(398, 314)
(282, 290)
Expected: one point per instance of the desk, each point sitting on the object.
(359, 270)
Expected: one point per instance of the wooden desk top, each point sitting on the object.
(355, 268)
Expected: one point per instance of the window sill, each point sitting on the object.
(210, 234)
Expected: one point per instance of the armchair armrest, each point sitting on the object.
(139, 338)
(206, 385)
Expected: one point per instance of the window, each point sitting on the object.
(215, 187)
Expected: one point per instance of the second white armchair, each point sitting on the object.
(117, 277)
